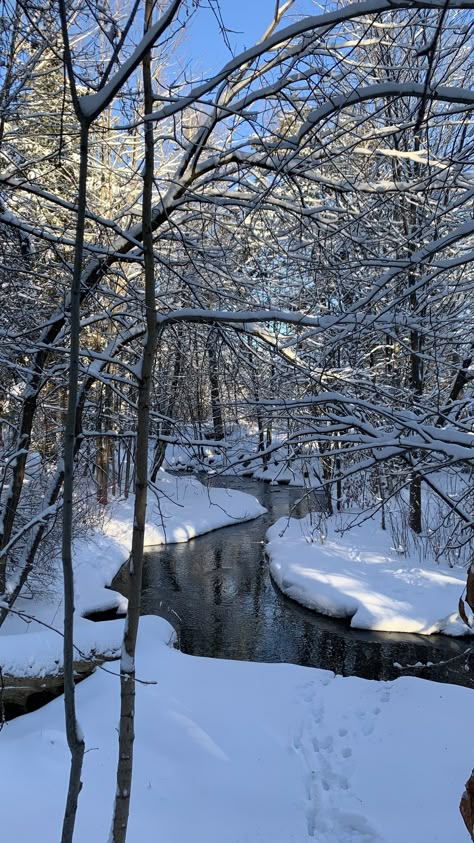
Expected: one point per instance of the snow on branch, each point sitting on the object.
(443, 93)
(94, 104)
(308, 27)
(244, 317)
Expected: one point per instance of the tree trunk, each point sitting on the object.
(463, 377)
(127, 664)
(216, 408)
(102, 453)
(74, 736)
(415, 520)
(416, 384)
(326, 465)
(166, 426)
(128, 461)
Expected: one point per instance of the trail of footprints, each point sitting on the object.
(328, 779)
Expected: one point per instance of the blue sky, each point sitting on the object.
(248, 20)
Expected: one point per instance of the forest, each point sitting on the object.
(236, 420)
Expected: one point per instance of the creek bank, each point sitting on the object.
(31, 653)
(356, 573)
(32, 662)
(23, 694)
(218, 592)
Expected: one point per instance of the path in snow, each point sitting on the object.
(327, 758)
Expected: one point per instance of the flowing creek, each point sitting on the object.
(220, 587)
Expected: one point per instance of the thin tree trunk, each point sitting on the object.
(102, 456)
(463, 377)
(216, 408)
(415, 519)
(128, 460)
(169, 407)
(261, 438)
(268, 438)
(74, 736)
(338, 481)
(416, 362)
(326, 466)
(416, 385)
(127, 665)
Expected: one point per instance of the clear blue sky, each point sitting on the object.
(247, 19)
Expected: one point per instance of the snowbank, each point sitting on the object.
(185, 508)
(234, 751)
(40, 653)
(359, 575)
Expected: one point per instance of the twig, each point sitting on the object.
(2, 702)
(427, 665)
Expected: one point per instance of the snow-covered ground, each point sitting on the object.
(359, 575)
(40, 653)
(235, 752)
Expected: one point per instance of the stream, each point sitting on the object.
(228, 606)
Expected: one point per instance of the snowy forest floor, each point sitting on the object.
(262, 753)
(239, 455)
(225, 750)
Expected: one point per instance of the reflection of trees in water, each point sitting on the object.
(221, 589)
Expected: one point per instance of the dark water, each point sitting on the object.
(220, 587)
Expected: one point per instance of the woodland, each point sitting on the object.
(266, 269)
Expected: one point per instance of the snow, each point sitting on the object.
(188, 509)
(179, 508)
(40, 653)
(235, 751)
(359, 575)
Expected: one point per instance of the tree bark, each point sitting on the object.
(463, 377)
(103, 448)
(169, 407)
(74, 735)
(127, 665)
(216, 408)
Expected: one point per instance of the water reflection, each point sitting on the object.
(220, 587)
